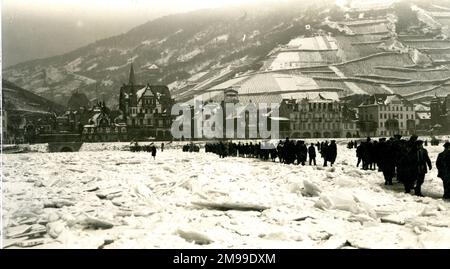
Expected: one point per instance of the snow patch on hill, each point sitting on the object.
(73, 65)
(92, 67)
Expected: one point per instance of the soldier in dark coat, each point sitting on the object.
(402, 161)
(312, 154)
(423, 162)
(396, 149)
(443, 166)
(410, 164)
(239, 149)
(289, 151)
(280, 151)
(387, 161)
(331, 153)
(359, 153)
(365, 153)
(223, 150)
(375, 157)
(324, 152)
(302, 152)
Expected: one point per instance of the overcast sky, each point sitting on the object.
(128, 7)
(41, 28)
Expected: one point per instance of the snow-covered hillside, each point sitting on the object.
(181, 45)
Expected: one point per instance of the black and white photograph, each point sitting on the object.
(230, 124)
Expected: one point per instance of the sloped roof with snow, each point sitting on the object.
(316, 43)
(140, 92)
(421, 107)
(423, 115)
(270, 88)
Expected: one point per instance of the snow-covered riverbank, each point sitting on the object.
(119, 199)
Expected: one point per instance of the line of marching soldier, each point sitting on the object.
(191, 148)
(288, 151)
(407, 159)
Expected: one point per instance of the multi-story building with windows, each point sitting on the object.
(314, 118)
(320, 117)
(386, 115)
(102, 128)
(440, 114)
(146, 109)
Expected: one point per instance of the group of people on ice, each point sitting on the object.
(408, 160)
(191, 148)
(288, 151)
(135, 147)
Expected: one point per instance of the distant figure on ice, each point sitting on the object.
(312, 154)
(162, 147)
(443, 166)
(350, 144)
(153, 152)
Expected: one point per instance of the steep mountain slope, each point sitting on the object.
(216, 43)
(15, 98)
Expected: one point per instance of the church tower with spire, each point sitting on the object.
(133, 88)
(128, 94)
(131, 79)
(145, 108)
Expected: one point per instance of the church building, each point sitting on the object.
(146, 109)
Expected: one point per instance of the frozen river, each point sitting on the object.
(119, 199)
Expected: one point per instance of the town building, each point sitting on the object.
(321, 117)
(244, 114)
(146, 109)
(423, 118)
(386, 115)
(102, 129)
(306, 109)
(440, 114)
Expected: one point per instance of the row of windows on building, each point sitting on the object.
(396, 116)
(150, 122)
(135, 110)
(318, 106)
(316, 116)
(107, 130)
(384, 125)
(148, 101)
(308, 126)
(349, 126)
(388, 116)
(391, 133)
(395, 108)
(389, 108)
